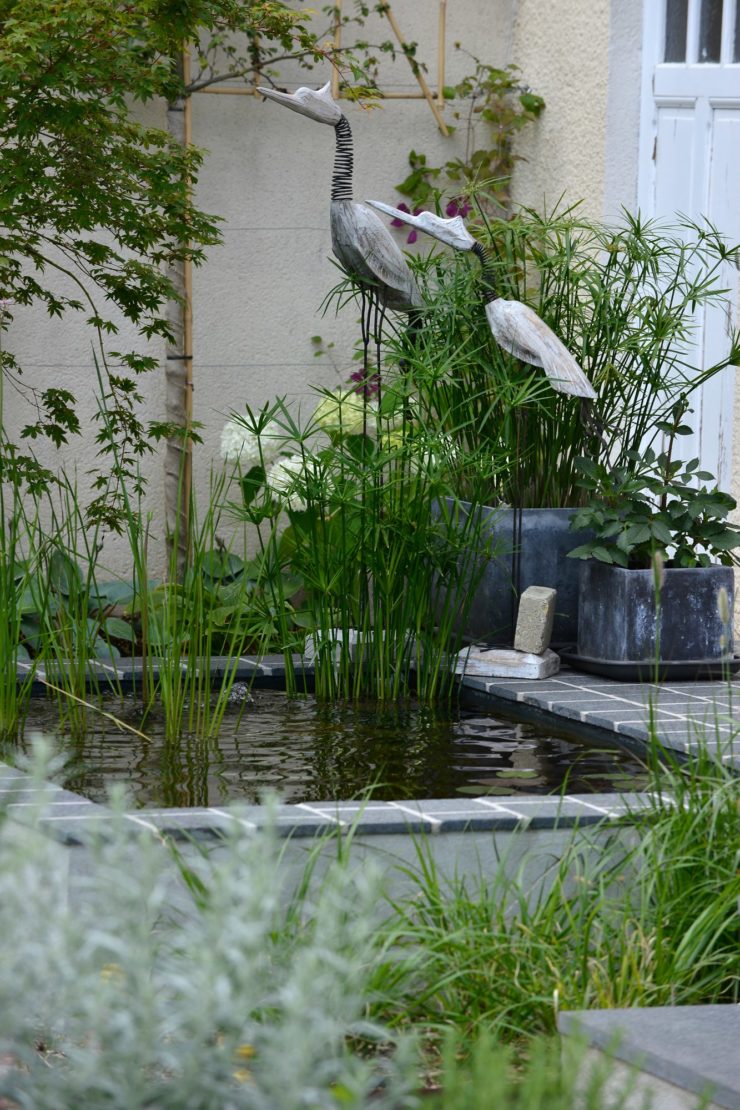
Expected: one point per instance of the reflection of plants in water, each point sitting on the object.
(313, 750)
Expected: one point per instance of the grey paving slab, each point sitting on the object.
(377, 818)
(18, 790)
(78, 829)
(692, 1047)
(187, 823)
(546, 813)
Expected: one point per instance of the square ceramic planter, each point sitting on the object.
(619, 622)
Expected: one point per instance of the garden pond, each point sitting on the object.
(308, 750)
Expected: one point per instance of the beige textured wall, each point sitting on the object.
(562, 50)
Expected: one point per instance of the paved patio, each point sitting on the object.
(686, 716)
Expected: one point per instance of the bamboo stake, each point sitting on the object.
(416, 70)
(441, 48)
(337, 47)
(187, 276)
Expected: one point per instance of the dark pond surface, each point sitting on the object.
(309, 751)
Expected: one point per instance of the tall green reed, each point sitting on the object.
(190, 621)
(18, 577)
(354, 514)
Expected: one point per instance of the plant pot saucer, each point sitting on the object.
(641, 670)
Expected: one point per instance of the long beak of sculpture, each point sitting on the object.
(288, 99)
(316, 104)
(452, 232)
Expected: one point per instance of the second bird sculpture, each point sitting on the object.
(515, 326)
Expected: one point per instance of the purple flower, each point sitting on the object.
(401, 208)
(413, 235)
(457, 207)
(368, 386)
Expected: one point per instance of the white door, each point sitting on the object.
(690, 164)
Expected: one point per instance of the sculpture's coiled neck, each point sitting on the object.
(489, 281)
(341, 182)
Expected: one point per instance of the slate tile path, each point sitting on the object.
(686, 715)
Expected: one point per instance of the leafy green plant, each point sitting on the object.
(208, 985)
(491, 96)
(652, 504)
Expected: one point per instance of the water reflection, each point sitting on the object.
(311, 752)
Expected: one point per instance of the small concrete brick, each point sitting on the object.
(535, 619)
(506, 663)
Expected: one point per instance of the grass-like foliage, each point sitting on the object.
(625, 300)
(642, 917)
(482, 1074)
(359, 546)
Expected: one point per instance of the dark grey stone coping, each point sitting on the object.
(71, 818)
(692, 1047)
(126, 674)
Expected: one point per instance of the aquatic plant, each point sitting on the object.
(354, 521)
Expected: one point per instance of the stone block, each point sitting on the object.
(506, 663)
(535, 619)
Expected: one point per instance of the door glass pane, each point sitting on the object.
(710, 31)
(736, 49)
(676, 12)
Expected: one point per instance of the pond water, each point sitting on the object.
(311, 751)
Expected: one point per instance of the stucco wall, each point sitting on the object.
(562, 50)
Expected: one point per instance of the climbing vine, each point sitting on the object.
(498, 99)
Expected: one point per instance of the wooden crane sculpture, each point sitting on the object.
(360, 240)
(515, 326)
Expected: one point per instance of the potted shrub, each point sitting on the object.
(621, 298)
(656, 584)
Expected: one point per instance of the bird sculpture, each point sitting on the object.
(515, 326)
(361, 242)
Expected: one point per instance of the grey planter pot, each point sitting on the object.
(546, 540)
(618, 621)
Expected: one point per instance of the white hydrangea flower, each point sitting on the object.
(344, 411)
(240, 444)
(286, 479)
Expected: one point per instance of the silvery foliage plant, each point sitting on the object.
(129, 981)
